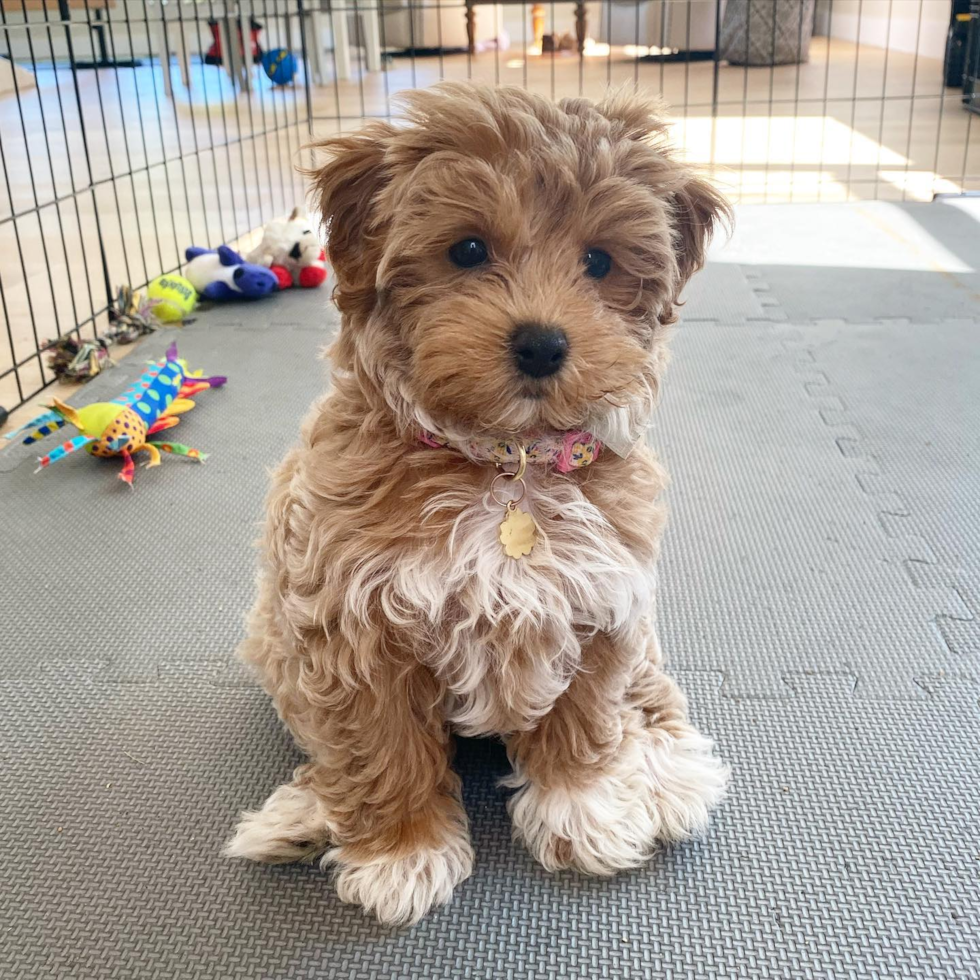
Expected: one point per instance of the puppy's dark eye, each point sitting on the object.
(469, 253)
(597, 263)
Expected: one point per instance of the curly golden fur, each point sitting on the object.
(388, 616)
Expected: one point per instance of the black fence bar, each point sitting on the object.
(113, 165)
(129, 130)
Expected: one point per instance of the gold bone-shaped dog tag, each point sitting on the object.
(518, 532)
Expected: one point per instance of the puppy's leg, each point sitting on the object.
(401, 828)
(293, 823)
(614, 768)
(379, 788)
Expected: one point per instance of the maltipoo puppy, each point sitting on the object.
(465, 538)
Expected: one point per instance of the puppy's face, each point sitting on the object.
(507, 265)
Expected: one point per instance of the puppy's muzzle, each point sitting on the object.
(539, 350)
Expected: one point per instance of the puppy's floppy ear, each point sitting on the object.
(345, 190)
(697, 208)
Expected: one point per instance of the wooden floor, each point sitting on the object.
(121, 196)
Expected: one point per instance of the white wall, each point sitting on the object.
(843, 20)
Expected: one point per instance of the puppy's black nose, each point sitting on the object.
(538, 350)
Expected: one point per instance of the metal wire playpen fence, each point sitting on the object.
(130, 129)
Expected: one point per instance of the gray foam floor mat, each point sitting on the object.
(904, 403)
(791, 545)
(863, 262)
(722, 293)
(182, 524)
(846, 849)
(818, 605)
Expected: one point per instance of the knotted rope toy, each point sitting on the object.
(122, 427)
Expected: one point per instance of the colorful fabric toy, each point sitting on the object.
(121, 427)
(222, 274)
(291, 249)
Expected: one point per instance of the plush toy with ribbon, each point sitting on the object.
(122, 427)
(291, 249)
(222, 274)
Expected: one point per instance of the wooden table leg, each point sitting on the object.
(581, 25)
(470, 27)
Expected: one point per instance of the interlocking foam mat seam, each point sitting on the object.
(818, 604)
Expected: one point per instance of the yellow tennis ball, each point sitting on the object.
(176, 295)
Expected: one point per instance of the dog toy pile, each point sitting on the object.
(122, 427)
(290, 254)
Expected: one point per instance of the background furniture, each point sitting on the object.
(422, 27)
(327, 25)
(537, 19)
(339, 15)
(970, 77)
(172, 37)
(61, 9)
(773, 32)
(177, 29)
(99, 26)
(686, 27)
(51, 6)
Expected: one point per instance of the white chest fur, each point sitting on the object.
(505, 633)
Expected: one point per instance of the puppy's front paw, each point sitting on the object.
(689, 781)
(658, 788)
(291, 826)
(400, 890)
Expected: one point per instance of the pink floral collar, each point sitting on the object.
(565, 450)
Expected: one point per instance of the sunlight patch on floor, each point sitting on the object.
(755, 140)
(866, 235)
(758, 158)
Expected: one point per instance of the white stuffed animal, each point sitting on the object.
(292, 245)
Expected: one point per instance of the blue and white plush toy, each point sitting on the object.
(224, 275)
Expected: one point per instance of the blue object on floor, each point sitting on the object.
(279, 65)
